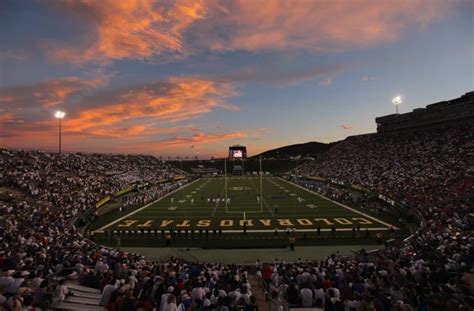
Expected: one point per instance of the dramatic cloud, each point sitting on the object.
(197, 143)
(200, 137)
(173, 100)
(48, 93)
(143, 29)
(125, 113)
(138, 29)
(318, 26)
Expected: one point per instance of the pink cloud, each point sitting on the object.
(138, 29)
(127, 114)
(47, 93)
(202, 138)
(318, 26)
(141, 29)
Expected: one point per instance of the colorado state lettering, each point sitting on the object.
(263, 223)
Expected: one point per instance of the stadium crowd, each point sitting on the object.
(43, 193)
(429, 171)
(147, 194)
(416, 168)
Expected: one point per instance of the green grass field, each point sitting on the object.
(282, 205)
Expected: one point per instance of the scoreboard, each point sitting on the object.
(237, 152)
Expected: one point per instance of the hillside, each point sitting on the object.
(310, 149)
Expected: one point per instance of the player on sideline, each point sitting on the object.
(258, 198)
(192, 201)
(172, 199)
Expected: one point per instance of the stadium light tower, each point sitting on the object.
(59, 115)
(397, 101)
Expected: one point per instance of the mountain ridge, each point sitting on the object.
(308, 149)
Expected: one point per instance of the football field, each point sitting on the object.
(256, 204)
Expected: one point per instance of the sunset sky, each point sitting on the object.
(158, 77)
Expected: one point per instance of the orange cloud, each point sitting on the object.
(47, 93)
(136, 29)
(172, 100)
(199, 143)
(318, 26)
(7, 117)
(127, 113)
(202, 138)
(143, 29)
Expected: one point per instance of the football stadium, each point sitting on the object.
(254, 205)
(236, 155)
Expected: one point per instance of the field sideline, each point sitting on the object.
(281, 205)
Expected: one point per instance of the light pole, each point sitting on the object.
(397, 101)
(60, 115)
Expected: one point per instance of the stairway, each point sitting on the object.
(258, 292)
(84, 298)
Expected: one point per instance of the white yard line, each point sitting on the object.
(101, 229)
(345, 206)
(217, 205)
(214, 209)
(240, 212)
(283, 230)
(304, 230)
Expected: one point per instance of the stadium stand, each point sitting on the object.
(415, 168)
(46, 263)
(429, 170)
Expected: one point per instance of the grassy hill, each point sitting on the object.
(310, 149)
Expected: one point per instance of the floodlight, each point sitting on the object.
(397, 100)
(60, 114)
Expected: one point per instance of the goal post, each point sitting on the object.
(261, 187)
(225, 183)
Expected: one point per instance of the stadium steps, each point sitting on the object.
(257, 291)
(84, 298)
(76, 307)
(86, 295)
(80, 288)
